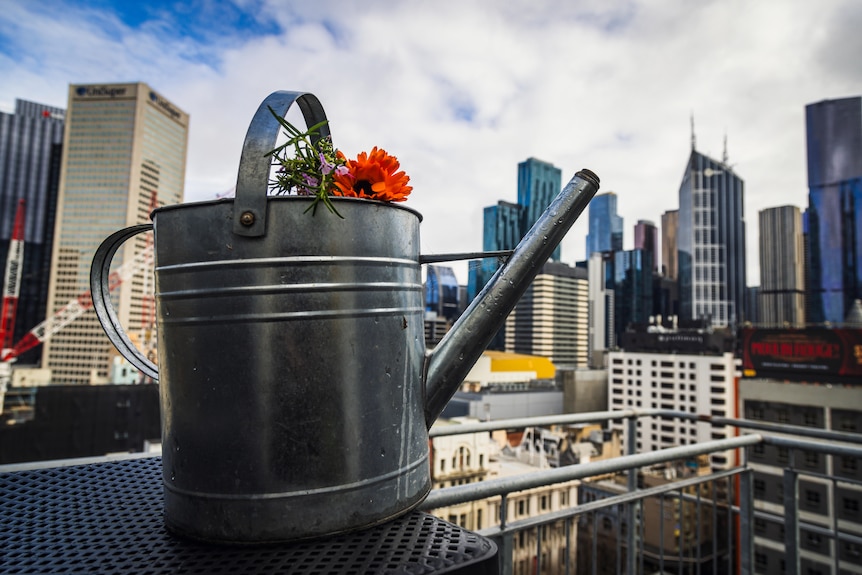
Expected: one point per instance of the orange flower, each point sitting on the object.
(374, 176)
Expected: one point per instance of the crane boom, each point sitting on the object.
(12, 279)
(76, 307)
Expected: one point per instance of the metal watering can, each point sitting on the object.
(296, 389)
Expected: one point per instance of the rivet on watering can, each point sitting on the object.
(246, 219)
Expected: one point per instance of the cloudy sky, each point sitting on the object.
(461, 91)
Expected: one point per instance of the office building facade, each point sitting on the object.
(633, 288)
(601, 307)
(834, 215)
(538, 184)
(605, 226)
(669, 225)
(441, 292)
(31, 143)
(551, 319)
(782, 267)
(711, 243)
(646, 239)
(688, 371)
(124, 152)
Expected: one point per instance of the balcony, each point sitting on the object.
(725, 521)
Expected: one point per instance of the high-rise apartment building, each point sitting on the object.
(691, 371)
(601, 307)
(669, 226)
(538, 184)
(31, 142)
(605, 226)
(711, 242)
(551, 319)
(834, 216)
(782, 267)
(124, 152)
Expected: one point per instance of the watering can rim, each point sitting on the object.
(309, 199)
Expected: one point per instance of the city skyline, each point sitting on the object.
(577, 86)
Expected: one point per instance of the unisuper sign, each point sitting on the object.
(101, 91)
(164, 105)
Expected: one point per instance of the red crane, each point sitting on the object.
(12, 280)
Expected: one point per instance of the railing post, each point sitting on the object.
(631, 533)
(791, 520)
(746, 521)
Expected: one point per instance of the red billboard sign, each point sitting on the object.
(811, 354)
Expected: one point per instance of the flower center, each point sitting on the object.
(363, 188)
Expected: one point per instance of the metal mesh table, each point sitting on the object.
(106, 518)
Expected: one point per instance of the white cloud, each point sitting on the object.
(462, 92)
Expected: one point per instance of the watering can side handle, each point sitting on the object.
(249, 218)
(100, 289)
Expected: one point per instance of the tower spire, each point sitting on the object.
(693, 140)
(724, 156)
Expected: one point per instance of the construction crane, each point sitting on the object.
(12, 279)
(76, 307)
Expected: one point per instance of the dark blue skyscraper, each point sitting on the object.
(605, 226)
(441, 292)
(538, 184)
(31, 142)
(633, 288)
(834, 215)
(711, 243)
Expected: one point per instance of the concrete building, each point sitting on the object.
(124, 152)
(584, 390)
(782, 268)
(689, 371)
(31, 144)
(830, 492)
(600, 300)
(551, 319)
(468, 458)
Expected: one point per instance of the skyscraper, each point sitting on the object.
(605, 226)
(782, 287)
(124, 152)
(31, 142)
(834, 138)
(441, 292)
(711, 242)
(633, 288)
(551, 319)
(601, 306)
(669, 226)
(646, 238)
(538, 184)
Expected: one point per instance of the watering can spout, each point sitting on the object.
(448, 363)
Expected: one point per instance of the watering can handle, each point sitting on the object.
(100, 289)
(249, 217)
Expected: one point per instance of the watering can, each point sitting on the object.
(296, 390)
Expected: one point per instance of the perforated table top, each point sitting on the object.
(106, 518)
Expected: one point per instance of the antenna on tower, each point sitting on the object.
(693, 141)
(724, 156)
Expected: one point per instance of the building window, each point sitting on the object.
(812, 498)
(848, 464)
(812, 459)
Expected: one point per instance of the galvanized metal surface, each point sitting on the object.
(107, 518)
(291, 350)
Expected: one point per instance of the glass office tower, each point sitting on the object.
(124, 152)
(711, 243)
(605, 226)
(31, 144)
(834, 226)
(441, 292)
(538, 184)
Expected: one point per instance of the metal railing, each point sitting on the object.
(731, 507)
